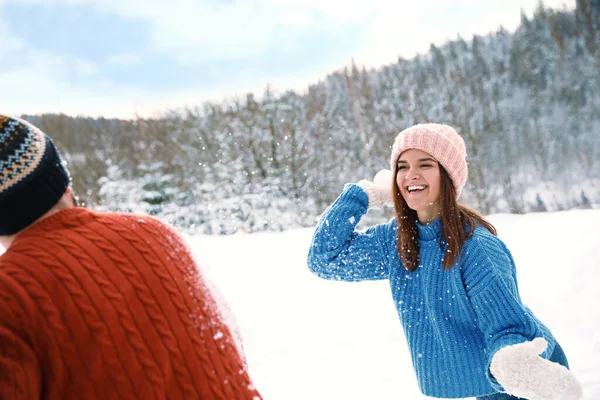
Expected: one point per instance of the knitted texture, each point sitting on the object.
(111, 306)
(524, 374)
(442, 142)
(454, 320)
(32, 177)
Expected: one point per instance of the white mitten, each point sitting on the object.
(523, 373)
(380, 190)
(383, 178)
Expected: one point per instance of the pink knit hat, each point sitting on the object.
(442, 142)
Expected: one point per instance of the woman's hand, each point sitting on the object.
(523, 373)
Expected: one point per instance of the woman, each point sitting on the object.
(453, 281)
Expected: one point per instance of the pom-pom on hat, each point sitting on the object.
(440, 141)
(32, 175)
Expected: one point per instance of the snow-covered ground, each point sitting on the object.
(306, 338)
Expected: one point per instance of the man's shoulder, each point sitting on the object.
(130, 219)
(143, 224)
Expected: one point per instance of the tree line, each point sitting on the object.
(527, 104)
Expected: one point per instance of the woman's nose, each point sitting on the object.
(411, 175)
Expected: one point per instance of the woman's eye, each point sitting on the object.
(401, 167)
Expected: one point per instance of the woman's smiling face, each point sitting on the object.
(419, 180)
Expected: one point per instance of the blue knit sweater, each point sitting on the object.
(454, 320)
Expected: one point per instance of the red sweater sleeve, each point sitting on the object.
(219, 351)
(19, 368)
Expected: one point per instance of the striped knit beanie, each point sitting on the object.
(32, 176)
(440, 141)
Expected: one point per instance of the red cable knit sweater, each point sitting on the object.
(111, 306)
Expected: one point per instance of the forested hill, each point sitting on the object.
(526, 102)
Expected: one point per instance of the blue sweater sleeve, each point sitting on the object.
(338, 251)
(490, 280)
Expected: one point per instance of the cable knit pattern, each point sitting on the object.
(111, 306)
(455, 320)
(182, 261)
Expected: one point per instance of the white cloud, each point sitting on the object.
(398, 32)
(124, 59)
(210, 32)
(85, 68)
(203, 32)
(246, 29)
(41, 87)
(9, 42)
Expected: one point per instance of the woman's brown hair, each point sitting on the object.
(456, 218)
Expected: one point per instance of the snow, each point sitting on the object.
(307, 338)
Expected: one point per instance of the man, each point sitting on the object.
(99, 305)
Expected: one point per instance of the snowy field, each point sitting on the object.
(307, 338)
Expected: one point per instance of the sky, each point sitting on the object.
(128, 58)
(308, 338)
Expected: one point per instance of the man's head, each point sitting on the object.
(32, 176)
